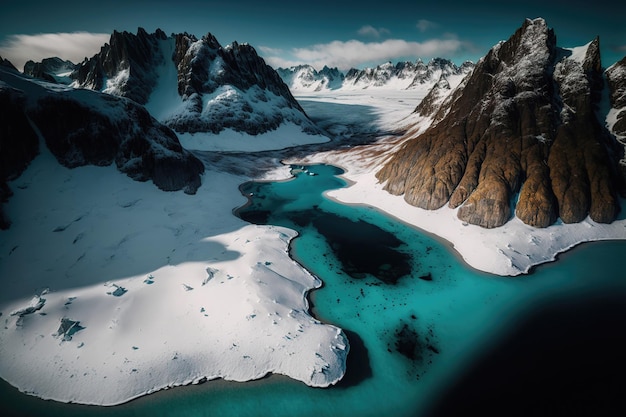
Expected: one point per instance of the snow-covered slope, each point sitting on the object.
(402, 75)
(113, 289)
(195, 86)
(82, 127)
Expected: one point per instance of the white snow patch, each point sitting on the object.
(115, 85)
(578, 53)
(118, 256)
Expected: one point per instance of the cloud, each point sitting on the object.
(369, 30)
(271, 51)
(353, 53)
(423, 25)
(71, 46)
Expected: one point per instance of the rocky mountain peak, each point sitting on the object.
(518, 135)
(54, 70)
(5, 63)
(82, 127)
(110, 69)
(219, 87)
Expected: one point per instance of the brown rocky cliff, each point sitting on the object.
(616, 78)
(522, 122)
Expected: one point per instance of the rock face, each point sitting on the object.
(219, 87)
(125, 66)
(82, 127)
(616, 77)
(402, 75)
(518, 135)
(19, 143)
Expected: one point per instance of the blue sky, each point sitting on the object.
(337, 33)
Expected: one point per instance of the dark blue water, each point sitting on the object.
(429, 336)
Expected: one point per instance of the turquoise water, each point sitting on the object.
(415, 323)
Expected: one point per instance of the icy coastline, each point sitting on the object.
(509, 250)
(114, 289)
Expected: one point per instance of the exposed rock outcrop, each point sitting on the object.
(616, 77)
(519, 134)
(82, 127)
(140, 146)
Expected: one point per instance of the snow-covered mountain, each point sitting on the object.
(520, 134)
(82, 127)
(193, 85)
(400, 76)
(307, 78)
(54, 70)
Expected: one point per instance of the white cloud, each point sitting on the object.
(423, 25)
(369, 30)
(353, 53)
(271, 51)
(71, 46)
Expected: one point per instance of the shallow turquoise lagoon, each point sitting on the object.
(429, 336)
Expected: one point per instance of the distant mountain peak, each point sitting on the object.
(401, 75)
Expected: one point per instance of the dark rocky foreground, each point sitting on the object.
(523, 123)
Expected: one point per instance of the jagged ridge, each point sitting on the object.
(219, 87)
(402, 75)
(523, 122)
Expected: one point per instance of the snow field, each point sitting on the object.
(132, 290)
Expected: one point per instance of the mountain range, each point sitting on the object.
(532, 130)
(402, 75)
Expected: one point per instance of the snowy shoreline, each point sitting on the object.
(510, 250)
(132, 290)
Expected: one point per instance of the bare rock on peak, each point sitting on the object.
(518, 136)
